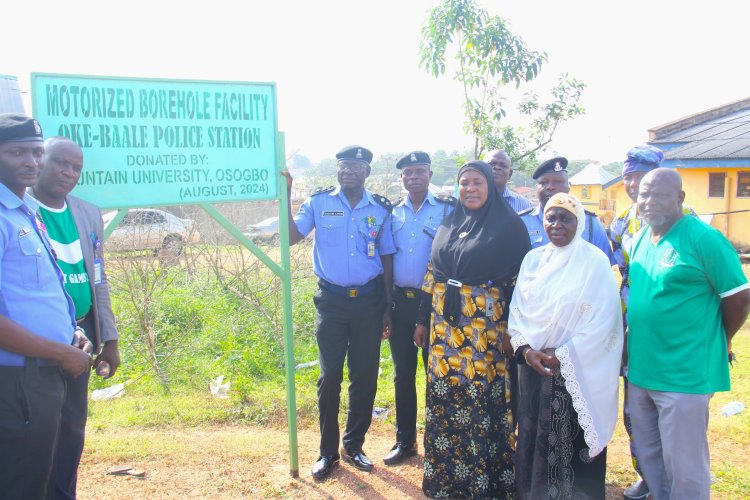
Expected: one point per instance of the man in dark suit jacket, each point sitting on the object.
(75, 229)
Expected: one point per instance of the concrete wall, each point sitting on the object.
(734, 226)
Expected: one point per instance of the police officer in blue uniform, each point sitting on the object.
(353, 259)
(37, 321)
(552, 178)
(415, 222)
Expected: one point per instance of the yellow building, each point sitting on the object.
(711, 151)
(600, 192)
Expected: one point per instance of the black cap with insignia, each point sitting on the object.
(413, 158)
(355, 153)
(18, 127)
(556, 164)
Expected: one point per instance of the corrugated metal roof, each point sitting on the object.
(592, 174)
(722, 137)
(10, 95)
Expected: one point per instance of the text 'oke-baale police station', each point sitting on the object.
(78, 101)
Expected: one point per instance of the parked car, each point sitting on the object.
(151, 229)
(265, 230)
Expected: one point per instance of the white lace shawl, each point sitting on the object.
(566, 298)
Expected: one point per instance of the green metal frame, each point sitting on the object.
(284, 273)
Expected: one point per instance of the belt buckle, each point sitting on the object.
(453, 282)
(352, 293)
(410, 294)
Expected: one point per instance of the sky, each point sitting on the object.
(347, 71)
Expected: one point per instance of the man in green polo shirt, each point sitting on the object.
(75, 230)
(688, 297)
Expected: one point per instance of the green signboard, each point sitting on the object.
(149, 142)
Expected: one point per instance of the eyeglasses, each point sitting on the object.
(352, 167)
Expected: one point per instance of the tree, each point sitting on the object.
(490, 58)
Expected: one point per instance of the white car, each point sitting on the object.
(265, 230)
(151, 229)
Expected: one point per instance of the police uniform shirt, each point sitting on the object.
(342, 236)
(538, 237)
(32, 292)
(413, 234)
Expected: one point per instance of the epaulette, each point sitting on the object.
(526, 211)
(444, 198)
(383, 202)
(399, 201)
(322, 190)
(590, 213)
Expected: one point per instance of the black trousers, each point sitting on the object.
(72, 430)
(347, 328)
(404, 352)
(31, 399)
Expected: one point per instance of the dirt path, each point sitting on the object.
(240, 462)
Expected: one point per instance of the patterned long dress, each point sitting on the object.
(552, 456)
(469, 439)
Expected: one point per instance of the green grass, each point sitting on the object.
(729, 437)
(208, 327)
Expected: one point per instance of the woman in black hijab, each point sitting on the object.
(475, 258)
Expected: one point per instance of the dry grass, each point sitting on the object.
(243, 462)
(253, 462)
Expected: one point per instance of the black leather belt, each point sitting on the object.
(351, 292)
(409, 293)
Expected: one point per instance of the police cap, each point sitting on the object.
(355, 153)
(556, 164)
(18, 127)
(413, 158)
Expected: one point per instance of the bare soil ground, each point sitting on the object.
(242, 462)
(253, 462)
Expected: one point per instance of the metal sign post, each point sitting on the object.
(157, 142)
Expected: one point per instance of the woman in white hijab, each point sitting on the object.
(566, 329)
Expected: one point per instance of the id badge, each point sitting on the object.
(370, 249)
(489, 306)
(97, 271)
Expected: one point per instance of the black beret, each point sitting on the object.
(18, 127)
(356, 153)
(413, 158)
(556, 164)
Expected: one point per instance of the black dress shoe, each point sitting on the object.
(323, 467)
(399, 453)
(358, 459)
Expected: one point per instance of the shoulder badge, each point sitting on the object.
(589, 212)
(322, 190)
(383, 202)
(444, 198)
(526, 211)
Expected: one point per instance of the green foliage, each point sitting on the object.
(385, 178)
(209, 324)
(575, 166)
(445, 166)
(490, 58)
(614, 168)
